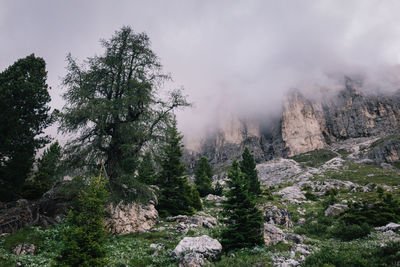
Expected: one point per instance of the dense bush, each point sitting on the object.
(349, 232)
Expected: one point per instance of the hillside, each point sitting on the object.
(305, 201)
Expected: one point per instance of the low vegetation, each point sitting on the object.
(314, 158)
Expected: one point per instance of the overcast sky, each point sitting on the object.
(230, 56)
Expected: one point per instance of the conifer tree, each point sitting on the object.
(244, 221)
(49, 170)
(84, 235)
(248, 168)
(176, 194)
(203, 177)
(146, 170)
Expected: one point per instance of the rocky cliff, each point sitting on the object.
(304, 125)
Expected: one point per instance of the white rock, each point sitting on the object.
(24, 249)
(204, 245)
(131, 218)
(335, 209)
(389, 227)
(272, 234)
(193, 260)
(291, 193)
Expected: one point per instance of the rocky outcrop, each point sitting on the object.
(132, 217)
(305, 124)
(389, 227)
(386, 150)
(291, 193)
(204, 245)
(272, 234)
(275, 215)
(24, 249)
(200, 220)
(335, 210)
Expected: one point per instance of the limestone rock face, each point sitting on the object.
(131, 218)
(388, 151)
(301, 124)
(305, 124)
(204, 245)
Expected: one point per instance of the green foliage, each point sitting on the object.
(353, 255)
(361, 174)
(314, 158)
(248, 168)
(146, 170)
(246, 257)
(114, 107)
(347, 232)
(84, 236)
(310, 196)
(244, 221)
(23, 117)
(177, 196)
(48, 172)
(218, 189)
(203, 177)
(375, 212)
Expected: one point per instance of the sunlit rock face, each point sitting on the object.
(305, 124)
(302, 121)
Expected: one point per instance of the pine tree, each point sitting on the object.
(176, 194)
(48, 172)
(244, 221)
(218, 189)
(248, 168)
(24, 116)
(84, 235)
(203, 177)
(146, 170)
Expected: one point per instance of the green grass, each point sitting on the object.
(363, 174)
(259, 256)
(344, 153)
(314, 158)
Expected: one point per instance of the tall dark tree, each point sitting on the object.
(177, 196)
(114, 105)
(24, 115)
(203, 177)
(244, 221)
(248, 168)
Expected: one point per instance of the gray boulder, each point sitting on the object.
(272, 234)
(335, 209)
(24, 249)
(389, 227)
(291, 193)
(193, 260)
(275, 215)
(204, 245)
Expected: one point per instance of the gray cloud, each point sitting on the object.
(233, 57)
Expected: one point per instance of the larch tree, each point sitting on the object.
(114, 104)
